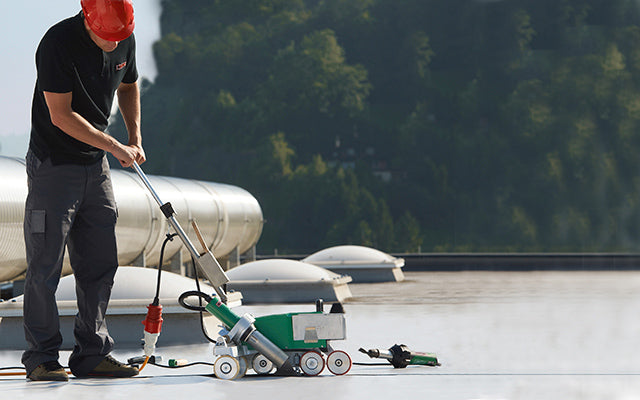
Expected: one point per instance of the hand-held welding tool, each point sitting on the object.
(291, 342)
(400, 356)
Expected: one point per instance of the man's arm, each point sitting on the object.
(129, 104)
(74, 125)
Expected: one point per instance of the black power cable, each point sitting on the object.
(200, 296)
(182, 366)
(170, 236)
(183, 296)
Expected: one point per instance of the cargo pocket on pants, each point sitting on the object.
(37, 221)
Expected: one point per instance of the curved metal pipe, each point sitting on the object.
(13, 193)
(229, 217)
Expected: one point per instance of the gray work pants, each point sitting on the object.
(70, 205)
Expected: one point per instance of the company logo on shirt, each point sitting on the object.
(121, 66)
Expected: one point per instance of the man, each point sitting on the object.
(82, 62)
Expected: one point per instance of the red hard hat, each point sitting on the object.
(111, 20)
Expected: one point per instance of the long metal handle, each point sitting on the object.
(172, 219)
(146, 182)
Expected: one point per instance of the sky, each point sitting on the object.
(21, 28)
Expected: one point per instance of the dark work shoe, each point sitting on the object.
(109, 367)
(49, 371)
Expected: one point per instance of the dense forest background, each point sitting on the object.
(406, 125)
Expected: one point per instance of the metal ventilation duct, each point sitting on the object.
(229, 217)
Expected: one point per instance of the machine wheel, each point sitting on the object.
(338, 362)
(227, 367)
(311, 363)
(261, 364)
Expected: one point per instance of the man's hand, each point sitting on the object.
(126, 155)
(142, 157)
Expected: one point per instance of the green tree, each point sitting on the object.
(504, 125)
(408, 234)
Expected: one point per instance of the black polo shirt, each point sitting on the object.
(67, 60)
